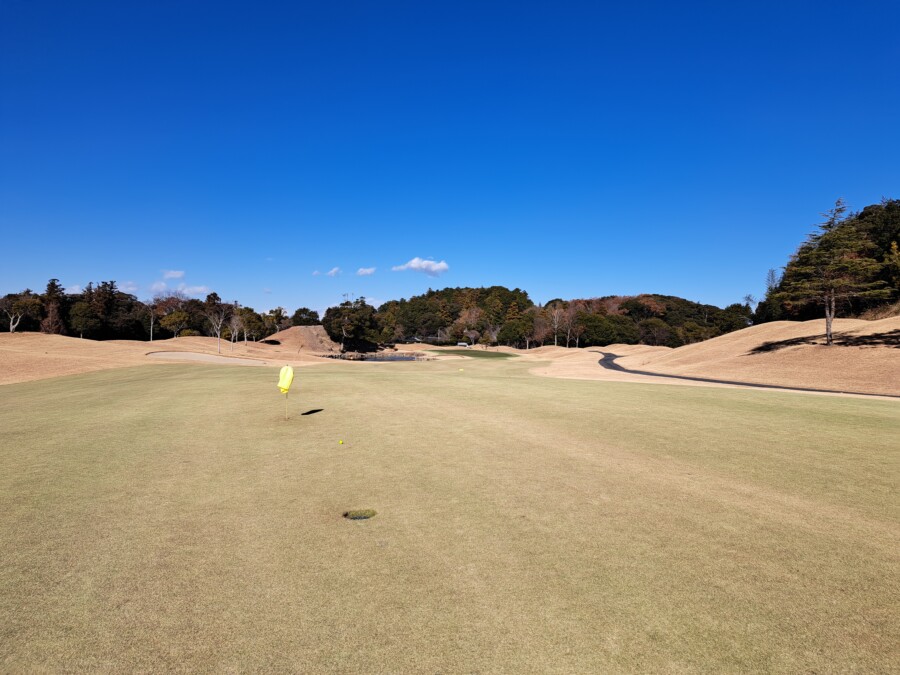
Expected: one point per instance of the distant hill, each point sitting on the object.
(497, 315)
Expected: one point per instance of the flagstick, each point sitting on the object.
(285, 405)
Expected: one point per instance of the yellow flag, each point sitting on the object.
(285, 378)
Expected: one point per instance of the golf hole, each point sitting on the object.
(361, 514)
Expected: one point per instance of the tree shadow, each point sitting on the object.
(313, 411)
(888, 339)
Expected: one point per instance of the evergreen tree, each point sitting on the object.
(84, 319)
(352, 323)
(305, 316)
(833, 265)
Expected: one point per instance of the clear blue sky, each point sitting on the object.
(570, 149)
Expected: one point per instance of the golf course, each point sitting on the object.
(168, 517)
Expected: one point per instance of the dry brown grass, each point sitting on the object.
(35, 356)
(873, 369)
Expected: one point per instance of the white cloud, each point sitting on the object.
(334, 271)
(429, 267)
(267, 291)
(128, 287)
(74, 288)
(158, 286)
(316, 273)
(193, 290)
(173, 274)
(365, 271)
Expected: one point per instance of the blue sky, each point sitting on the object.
(570, 149)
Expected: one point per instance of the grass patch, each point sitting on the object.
(169, 518)
(476, 353)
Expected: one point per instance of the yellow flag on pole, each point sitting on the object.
(285, 377)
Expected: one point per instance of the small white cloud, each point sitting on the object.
(334, 271)
(267, 291)
(73, 289)
(316, 273)
(429, 267)
(173, 274)
(365, 271)
(193, 290)
(128, 287)
(158, 286)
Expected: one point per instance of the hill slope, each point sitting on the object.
(865, 358)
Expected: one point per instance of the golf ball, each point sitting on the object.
(341, 442)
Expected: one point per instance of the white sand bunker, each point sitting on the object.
(205, 358)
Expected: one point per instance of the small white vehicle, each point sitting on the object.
(463, 344)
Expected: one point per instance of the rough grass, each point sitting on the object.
(168, 518)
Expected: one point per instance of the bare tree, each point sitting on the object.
(151, 307)
(216, 312)
(540, 327)
(236, 325)
(555, 314)
(578, 331)
(489, 334)
(569, 322)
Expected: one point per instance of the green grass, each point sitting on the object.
(476, 353)
(168, 518)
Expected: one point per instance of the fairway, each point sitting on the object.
(167, 517)
(474, 353)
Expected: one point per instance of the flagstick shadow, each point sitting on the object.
(313, 411)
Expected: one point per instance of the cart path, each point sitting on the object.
(609, 362)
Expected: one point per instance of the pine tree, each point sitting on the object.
(834, 264)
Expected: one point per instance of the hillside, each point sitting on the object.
(35, 356)
(866, 356)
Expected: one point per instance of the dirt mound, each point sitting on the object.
(306, 339)
(36, 356)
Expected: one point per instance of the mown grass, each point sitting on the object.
(168, 518)
(476, 353)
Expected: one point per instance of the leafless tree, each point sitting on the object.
(555, 315)
(578, 331)
(540, 327)
(568, 322)
(152, 310)
(236, 325)
(216, 312)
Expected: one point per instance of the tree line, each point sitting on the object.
(498, 315)
(488, 316)
(103, 312)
